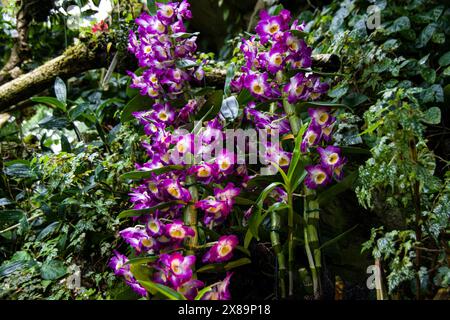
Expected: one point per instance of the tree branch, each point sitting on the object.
(91, 55)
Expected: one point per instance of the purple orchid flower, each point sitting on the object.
(133, 236)
(295, 88)
(317, 176)
(221, 291)
(258, 85)
(178, 266)
(178, 231)
(154, 227)
(205, 173)
(174, 190)
(190, 288)
(311, 137)
(222, 250)
(330, 156)
(321, 116)
(117, 263)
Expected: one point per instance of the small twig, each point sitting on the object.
(18, 225)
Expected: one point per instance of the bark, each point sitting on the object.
(29, 10)
(75, 60)
(92, 55)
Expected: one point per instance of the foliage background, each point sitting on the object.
(63, 166)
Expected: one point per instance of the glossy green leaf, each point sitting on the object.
(164, 290)
(138, 175)
(136, 213)
(50, 101)
(53, 270)
(60, 90)
(138, 103)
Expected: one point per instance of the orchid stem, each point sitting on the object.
(313, 253)
(294, 121)
(190, 217)
(291, 243)
(276, 245)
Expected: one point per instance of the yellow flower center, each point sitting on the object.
(333, 158)
(283, 162)
(224, 165)
(153, 226)
(175, 266)
(224, 250)
(323, 118)
(257, 88)
(160, 27)
(177, 233)
(277, 60)
(152, 92)
(163, 116)
(204, 172)
(311, 138)
(181, 147)
(299, 90)
(147, 49)
(173, 191)
(274, 28)
(320, 177)
(147, 242)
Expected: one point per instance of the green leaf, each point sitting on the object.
(244, 97)
(212, 105)
(299, 34)
(60, 90)
(230, 75)
(400, 24)
(138, 175)
(244, 201)
(428, 74)
(222, 267)
(53, 270)
(354, 99)
(50, 101)
(19, 170)
(138, 103)
(432, 116)
(5, 201)
(48, 230)
(11, 267)
(257, 217)
(303, 106)
(142, 260)
(204, 291)
(446, 72)
(354, 150)
(444, 60)
(184, 35)
(65, 144)
(337, 238)
(426, 35)
(152, 9)
(186, 63)
(237, 263)
(164, 290)
(53, 123)
(137, 213)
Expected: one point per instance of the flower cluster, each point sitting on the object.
(160, 44)
(272, 59)
(320, 132)
(120, 267)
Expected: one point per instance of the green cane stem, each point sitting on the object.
(276, 245)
